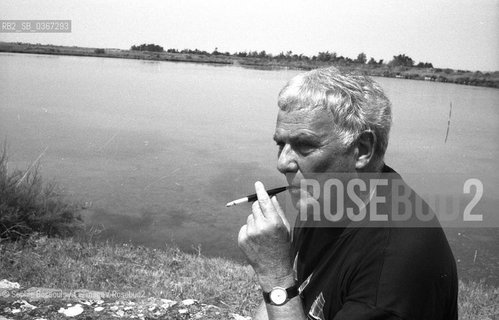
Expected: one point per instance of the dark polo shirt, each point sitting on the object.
(387, 270)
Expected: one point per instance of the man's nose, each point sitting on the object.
(286, 162)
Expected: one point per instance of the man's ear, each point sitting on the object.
(365, 144)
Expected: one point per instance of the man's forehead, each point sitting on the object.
(316, 120)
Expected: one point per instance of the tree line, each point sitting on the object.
(400, 60)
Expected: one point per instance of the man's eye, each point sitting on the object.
(304, 148)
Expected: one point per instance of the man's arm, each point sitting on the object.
(266, 242)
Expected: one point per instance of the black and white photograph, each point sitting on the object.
(249, 160)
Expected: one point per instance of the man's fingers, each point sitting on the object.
(266, 205)
(257, 211)
(250, 222)
(243, 234)
(279, 210)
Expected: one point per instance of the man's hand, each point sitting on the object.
(265, 240)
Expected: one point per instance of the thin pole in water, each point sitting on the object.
(448, 123)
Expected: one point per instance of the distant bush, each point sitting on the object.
(99, 51)
(27, 206)
(147, 47)
(401, 60)
(426, 65)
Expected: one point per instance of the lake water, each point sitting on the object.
(158, 148)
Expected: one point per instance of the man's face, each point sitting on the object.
(308, 147)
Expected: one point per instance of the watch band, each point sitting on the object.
(291, 292)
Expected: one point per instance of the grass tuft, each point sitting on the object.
(28, 206)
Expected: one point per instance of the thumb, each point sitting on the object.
(278, 208)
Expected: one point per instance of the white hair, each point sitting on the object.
(356, 102)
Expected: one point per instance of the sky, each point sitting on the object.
(458, 34)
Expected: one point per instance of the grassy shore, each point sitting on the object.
(477, 78)
(167, 273)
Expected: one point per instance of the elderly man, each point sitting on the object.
(369, 262)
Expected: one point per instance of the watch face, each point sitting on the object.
(278, 296)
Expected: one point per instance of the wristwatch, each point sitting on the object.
(279, 296)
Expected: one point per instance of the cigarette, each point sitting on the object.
(253, 197)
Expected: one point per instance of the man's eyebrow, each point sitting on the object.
(299, 136)
(303, 136)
